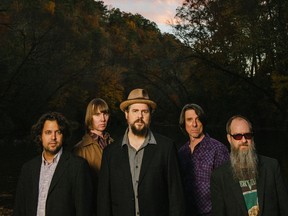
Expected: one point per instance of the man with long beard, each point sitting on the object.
(139, 173)
(250, 184)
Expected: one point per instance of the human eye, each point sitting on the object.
(145, 111)
(47, 132)
(59, 132)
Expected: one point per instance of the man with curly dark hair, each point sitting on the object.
(55, 182)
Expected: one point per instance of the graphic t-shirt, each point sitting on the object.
(249, 191)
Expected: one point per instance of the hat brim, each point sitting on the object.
(127, 103)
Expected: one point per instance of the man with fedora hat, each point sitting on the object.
(139, 174)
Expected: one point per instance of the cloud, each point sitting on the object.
(158, 11)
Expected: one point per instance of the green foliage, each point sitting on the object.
(229, 56)
(58, 55)
(280, 85)
(243, 44)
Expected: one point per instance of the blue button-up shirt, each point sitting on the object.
(196, 171)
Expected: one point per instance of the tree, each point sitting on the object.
(244, 39)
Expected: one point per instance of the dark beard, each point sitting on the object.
(139, 132)
(53, 152)
(244, 163)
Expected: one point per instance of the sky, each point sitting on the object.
(158, 11)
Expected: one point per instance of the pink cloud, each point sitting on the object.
(158, 11)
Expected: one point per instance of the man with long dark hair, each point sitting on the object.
(55, 183)
(198, 157)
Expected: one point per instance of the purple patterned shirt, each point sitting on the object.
(196, 170)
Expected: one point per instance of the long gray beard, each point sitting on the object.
(244, 163)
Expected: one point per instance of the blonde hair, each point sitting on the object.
(95, 105)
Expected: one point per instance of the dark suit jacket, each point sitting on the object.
(69, 193)
(227, 198)
(159, 190)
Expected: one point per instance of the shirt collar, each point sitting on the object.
(95, 136)
(55, 159)
(201, 144)
(204, 140)
(149, 139)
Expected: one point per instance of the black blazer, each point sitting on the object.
(227, 198)
(159, 190)
(70, 191)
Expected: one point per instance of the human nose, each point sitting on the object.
(102, 117)
(194, 123)
(243, 139)
(140, 114)
(53, 135)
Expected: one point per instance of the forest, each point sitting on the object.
(228, 56)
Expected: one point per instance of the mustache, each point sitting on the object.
(139, 121)
(243, 144)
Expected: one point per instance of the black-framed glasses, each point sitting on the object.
(240, 136)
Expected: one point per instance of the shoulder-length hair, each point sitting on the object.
(94, 106)
(37, 128)
(198, 110)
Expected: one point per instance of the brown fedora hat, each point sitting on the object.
(138, 96)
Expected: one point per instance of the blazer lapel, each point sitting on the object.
(237, 192)
(149, 151)
(261, 186)
(61, 167)
(125, 165)
(35, 183)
